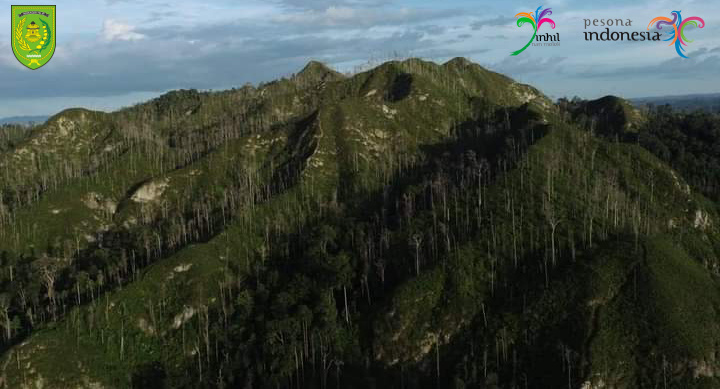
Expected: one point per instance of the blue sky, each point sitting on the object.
(113, 53)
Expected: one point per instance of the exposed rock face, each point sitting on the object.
(703, 369)
(184, 316)
(96, 202)
(150, 191)
(599, 384)
(702, 220)
(182, 268)
(145, 327)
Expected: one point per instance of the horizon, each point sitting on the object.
(220, 45)
(114, 109)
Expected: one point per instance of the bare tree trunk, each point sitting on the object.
(347, 314)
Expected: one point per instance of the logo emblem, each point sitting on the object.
(677, 35)
(536, 21)
(33, 34)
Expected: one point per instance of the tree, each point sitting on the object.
(416, 241)
(5, 304)
(47, 269)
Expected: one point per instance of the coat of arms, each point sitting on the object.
(33, 34)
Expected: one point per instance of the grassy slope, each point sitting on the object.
(347, 142)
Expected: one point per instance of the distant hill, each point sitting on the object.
(707, 102)
(23, 119)
(610, 115)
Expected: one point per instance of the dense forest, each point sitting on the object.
(687, 103)
(416, 225)
(689, 142)
(11, 135)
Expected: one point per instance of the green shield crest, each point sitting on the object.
(33, 34)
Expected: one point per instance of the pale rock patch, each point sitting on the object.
(182, 267)
(703, 369)
(600, 384)
(183, 317)
(685, 188)
(150, 191)
(145, 327)
(389, 112)
(65, 126)
(97, 202)
(702, 220)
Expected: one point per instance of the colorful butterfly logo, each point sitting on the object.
(677, 35)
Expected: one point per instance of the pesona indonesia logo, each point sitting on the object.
(536, 21)
(677, 35)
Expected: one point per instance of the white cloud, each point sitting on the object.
(222, 43)
(340, 14)
(324, 4)
(352, 17)
(117, 31)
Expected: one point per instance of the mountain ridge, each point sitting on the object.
(415, 225)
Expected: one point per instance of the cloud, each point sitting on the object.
(325, 4)
(117, 31)
(700, 64)
(497, 21)
(432, 29)
(351, 17)
(227, 61)
(516, 66)
(155, 16)
(223, 43)
(228, 50)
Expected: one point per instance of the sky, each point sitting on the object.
(115, 53)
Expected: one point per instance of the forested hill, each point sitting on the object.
(703, 102)
(23, 120)
(414, 226)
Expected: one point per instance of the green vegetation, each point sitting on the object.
(688, 103)
(413, 226)
(690, 143)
